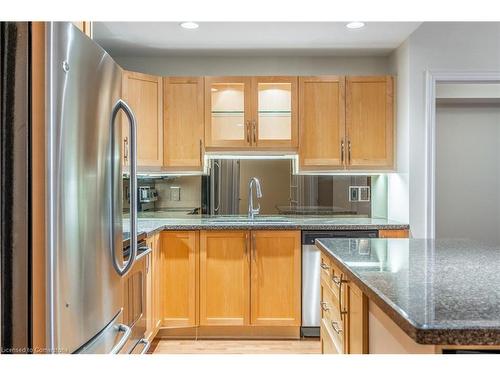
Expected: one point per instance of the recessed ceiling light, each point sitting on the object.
(355, 25)
(189, 25)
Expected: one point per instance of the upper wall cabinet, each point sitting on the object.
(183, 123)
(251, 112)
(322, 125)
(143, 93)
(369, 122)
(274, 113)
(227, 112)
(346, 123)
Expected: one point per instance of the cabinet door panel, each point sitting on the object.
(357, 321)
(179, 278)
(143, 93)
(275, 278)
(369, 122)
(322, 122)
(183, 123)
(224, 278)
(227, 112)
(274, 120)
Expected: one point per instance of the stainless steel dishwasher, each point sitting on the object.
(311, 316)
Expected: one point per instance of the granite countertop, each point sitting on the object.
(301, 222)
(440, 292)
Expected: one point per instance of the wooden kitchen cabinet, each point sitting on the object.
(275, 278)
(85, 27)
(228, 112)
(369, 122)
(179, 278)
(274, 112)
(149, 294)
(394, 233)
(153, 287)
(144, 94)
(224, 278)
(346, 123)
(250, 113)
(183, 116)
(357, 320)
(322, 122)
(344, 312)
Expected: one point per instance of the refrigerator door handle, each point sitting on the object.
(127, 331)
(122, 105)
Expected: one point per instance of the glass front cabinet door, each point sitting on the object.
(251, 112)
(227, 112)
(274, 120)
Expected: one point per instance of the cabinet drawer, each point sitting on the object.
(325, 270)
(329, 304)
(331, 342)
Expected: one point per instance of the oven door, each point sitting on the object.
(134, 297)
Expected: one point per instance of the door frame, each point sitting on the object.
(432, 78)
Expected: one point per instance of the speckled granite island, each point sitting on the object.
(440, 293)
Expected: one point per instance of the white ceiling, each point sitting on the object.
(251, 38)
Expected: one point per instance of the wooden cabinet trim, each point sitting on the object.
(394, 233)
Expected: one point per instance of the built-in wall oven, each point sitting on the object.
(311, 315)
(134, 298)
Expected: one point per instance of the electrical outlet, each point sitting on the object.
(359, 193)
(175, 193)
(353, 194)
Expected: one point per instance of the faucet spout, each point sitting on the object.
(252, 211)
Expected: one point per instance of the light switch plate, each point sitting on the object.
(175, 193)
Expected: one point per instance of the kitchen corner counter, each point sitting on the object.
(440, 292)
(152, 225)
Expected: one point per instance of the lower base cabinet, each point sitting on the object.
(344, 313)
(231, 282)
(179, 278)
(153, 301)
(275, 278)
(224, 278)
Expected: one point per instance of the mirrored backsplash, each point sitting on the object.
(225, 192)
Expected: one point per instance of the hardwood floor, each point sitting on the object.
(236, 347)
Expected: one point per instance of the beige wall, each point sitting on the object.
(255, 65)
(468, 172)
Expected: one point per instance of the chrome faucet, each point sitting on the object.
(251, 210)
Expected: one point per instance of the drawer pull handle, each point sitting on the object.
(339, 281)
(324, 306)
(336, 328)
(324, 266)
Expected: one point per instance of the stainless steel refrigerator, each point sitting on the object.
(84, 201)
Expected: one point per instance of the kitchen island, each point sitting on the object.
(423, 296)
